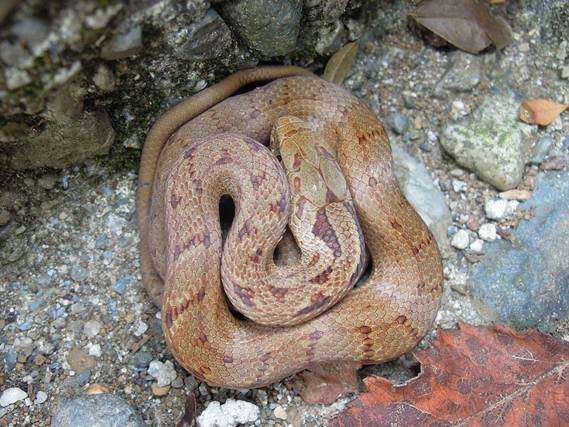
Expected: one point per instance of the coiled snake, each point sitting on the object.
(308, 311)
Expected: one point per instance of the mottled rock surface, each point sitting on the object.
(105, 410)
(525, 282)
(492, 142)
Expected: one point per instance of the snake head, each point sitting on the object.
(312, 170)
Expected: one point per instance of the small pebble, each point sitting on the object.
(92, 328)
(460, 240)
(230, 414)
(94, 349)
(487, 232)
(160, 391)
(12, 395)
(458, 186)
(280, 412)
(164, 373)
(140, 328)
(41, 397)
(178, 382)
(97, 389)
(477, 245)
(495, 209)
(398, 123)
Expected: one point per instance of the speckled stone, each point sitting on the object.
(96, 410)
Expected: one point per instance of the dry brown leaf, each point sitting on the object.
(340, 64)
(189, 417)
(467, 24)
(474, 376)
(540, 111)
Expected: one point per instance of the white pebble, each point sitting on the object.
(12, 395)
(458, 186)
(511, 207)
(460, 240)
(140, 327)
(94, 349)
(280, 412)
(487, 232)
(229, 414)
(41, 397)
(92, 328)
(477, 245)
(495, 209)
(164, 373)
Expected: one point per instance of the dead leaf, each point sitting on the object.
(189, 417)
(340, 64)
(540, 111)
(474, 376)
(324, 383)
(520, 195)
(467, 24)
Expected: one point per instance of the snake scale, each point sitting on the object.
(211, 145)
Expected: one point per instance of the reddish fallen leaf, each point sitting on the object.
(189, 417)
(540, 111)
(474, 376)
(467, 24)
(324, 383)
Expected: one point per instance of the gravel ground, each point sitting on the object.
(74, 315)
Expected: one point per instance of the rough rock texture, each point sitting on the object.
(135, 60)
(268, 27)
(417, 185)
(492, 142)
(525, 282)
(97, 410)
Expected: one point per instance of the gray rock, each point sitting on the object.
(209, 37)
(460, 240)
(11, 358)
(12, 395)
(495, 209)
(4, 217)
(268, 27)
(123, 45)
(105, 410)
(525, 282)
(541, 149)
(464, 73)
(141, 360)
(417, 185)
(47, 181)
(398, 122)
(16, 78)
(104, 78)
(491, 142)
(15, 55)
(32, 32)
(61, 145)
(164, 373)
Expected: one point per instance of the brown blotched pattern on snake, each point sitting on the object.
(326, 320)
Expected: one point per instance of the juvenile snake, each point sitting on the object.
(209, 146)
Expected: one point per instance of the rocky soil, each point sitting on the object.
(80, 85)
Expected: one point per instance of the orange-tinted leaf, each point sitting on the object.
(540, 111)
(324, 383)
(467, 24)
(474, 376)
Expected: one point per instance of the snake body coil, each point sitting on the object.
(209, 146)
